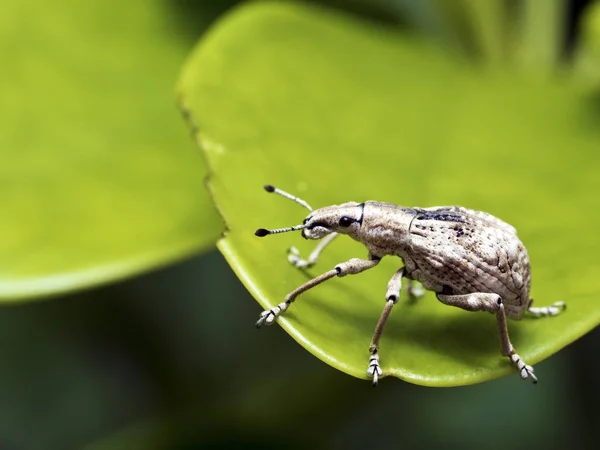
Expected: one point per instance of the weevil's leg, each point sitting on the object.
(350, 267)
(492, 303)
(391, 297)
(295, 259)
(268, 316)
(544, 311)
(414, 290)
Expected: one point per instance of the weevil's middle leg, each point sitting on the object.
(391, 298)
(492, 303)
(350, 267)
(294, 255)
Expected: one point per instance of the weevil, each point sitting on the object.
(469, 259)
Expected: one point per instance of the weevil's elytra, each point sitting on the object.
(470, 259)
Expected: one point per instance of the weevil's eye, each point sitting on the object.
(346, 221)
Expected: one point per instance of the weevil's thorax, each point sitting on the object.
(385, 228)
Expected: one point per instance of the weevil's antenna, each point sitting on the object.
(270, 188)
(262, 232)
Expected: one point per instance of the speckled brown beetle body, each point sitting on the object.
(470, 259)
(453, 250)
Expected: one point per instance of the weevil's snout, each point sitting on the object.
(345, 219)
(314, 229)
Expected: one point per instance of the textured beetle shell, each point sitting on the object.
(461, 251)
(454, 250)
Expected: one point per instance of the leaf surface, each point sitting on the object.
(99, 179)
(333, 109)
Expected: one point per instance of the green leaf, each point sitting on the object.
(99, 178)
(542, 32)
(587, 61)
(333, 109)
(489, 22)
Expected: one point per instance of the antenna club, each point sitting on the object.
(261, 232)
(271, 188)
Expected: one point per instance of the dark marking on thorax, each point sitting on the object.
(362, 212)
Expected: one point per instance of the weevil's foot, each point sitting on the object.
(552, 310)
(415, 291)
(295, 260)
(524, 370)
(268, 317)
(374, 369)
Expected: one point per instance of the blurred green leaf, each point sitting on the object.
(333, 109)
(542, 32)
(488, 19)
(99, 179)
(587, 63)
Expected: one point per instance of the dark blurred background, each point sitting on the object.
(171, 360)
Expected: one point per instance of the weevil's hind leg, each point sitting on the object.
(492, 303)
(391, 297)
(545, 311)
(350, 267)
(295, 259)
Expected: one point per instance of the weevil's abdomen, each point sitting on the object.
(455, 250)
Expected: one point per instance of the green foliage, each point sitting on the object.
(588, 51)
(334, 109)
(99, 177)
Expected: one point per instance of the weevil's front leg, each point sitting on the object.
(492, 303)
(295, 259)
(544, 311)
(391, 297)
(350, 267)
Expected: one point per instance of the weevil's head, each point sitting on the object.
(344, 219)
